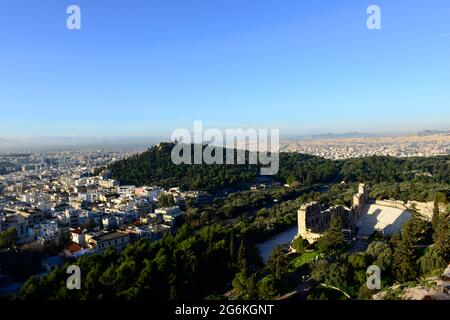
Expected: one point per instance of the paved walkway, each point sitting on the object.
(301, 291)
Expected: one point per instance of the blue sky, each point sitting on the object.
(142, 68)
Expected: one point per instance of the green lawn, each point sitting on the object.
(302, 260)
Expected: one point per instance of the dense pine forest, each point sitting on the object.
(155, 167)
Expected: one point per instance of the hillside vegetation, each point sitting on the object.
(418, 178)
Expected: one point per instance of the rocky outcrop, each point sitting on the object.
(433, 288)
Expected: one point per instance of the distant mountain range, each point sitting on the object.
(74, 142)
(431, 132)
(330, 135)
(325, 136)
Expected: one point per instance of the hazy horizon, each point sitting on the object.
(124, 142)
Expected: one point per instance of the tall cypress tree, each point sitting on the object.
(435, 218)
(232, 246)
(332, 239)
(242, 256)
(441, 238)
(252, 288)
(405, 261)
(405, 267)
(278, 269)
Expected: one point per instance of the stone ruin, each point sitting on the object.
(313, 222)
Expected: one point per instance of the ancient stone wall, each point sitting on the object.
(312, 221)
(424, 208)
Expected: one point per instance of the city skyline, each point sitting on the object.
(146, 70)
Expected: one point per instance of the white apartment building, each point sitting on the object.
(47, 232)
(126, 191)
(172, 211)
(110, 183)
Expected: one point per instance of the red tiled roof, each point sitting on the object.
(77, 231)
(74, 248)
